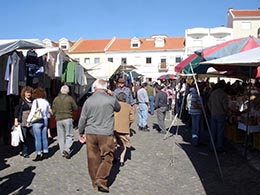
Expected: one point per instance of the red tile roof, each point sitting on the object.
(87, 46)
(245, 13)
(124, 44)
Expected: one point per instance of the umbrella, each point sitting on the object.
(166, 77)
(221, 50)
(246, 58)
(184, 66)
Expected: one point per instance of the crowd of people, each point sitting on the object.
(106, 118)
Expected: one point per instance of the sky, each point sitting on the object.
(102, 19)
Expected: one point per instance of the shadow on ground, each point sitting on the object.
(232, 175)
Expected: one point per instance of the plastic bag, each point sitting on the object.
(16, 136)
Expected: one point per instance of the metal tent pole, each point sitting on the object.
(205, 115)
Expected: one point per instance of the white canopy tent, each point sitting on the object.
(7, 46)
(105, 70)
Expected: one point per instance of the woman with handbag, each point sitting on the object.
(22, 111)
(40, 108)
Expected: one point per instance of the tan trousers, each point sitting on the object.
(100, 154)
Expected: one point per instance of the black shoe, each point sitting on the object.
(140, 128)
(45, 156)
(66, 154)
(122, 164)
(37, 158)
(25, 155)
(102, 188)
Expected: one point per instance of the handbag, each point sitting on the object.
(37, 116)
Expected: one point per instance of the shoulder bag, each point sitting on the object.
(37, 114)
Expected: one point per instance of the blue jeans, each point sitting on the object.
(195, 129)
(218, 125)
(40, 135)
(142, 114)
(65, 134)
(151, 102)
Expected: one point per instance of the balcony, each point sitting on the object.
(224, 31)
(163, 67)
(197, 31)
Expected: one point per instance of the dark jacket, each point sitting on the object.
(22, 111)
(160, 100)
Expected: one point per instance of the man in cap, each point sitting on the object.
(122, 88)
(63, 107)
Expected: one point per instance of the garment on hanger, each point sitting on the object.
(80, 75)
(12, 74)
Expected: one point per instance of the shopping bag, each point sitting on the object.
(15, 138)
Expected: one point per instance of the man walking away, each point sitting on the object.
(96, 129)
(161, 107)
(63, 106)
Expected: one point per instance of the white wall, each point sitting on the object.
(138, 59)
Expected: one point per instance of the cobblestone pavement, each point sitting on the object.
(155, 166)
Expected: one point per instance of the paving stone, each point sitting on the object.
(156, 166)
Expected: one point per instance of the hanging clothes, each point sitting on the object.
(59, 65)
(12, 74)
(68, 75)
(3, 66)
(22, 68)
(50, 66)
(80, 75)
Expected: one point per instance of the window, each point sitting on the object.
(135, 43)
(148, 60)
(163, 63)
(87, 61)
(159, 42)
(163, 60)
(245, 25)
(110, 59)
(63, 46)
(123, 61)
(96, 60)
(178, 59)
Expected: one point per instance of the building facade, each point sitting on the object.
(244, 22)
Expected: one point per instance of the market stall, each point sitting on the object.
(248, 120)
